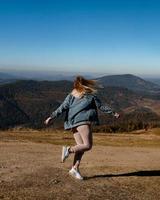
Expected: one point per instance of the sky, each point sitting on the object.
(97, 36)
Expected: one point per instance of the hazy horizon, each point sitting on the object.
(43, 72)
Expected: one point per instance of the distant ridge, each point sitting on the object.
(4, 76)
(11, 76)
(154, 80)
(129, 81)
(8, 78)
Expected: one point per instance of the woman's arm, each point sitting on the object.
(104, 108)
(63, 107)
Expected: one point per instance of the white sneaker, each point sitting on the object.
(74, 173)
(65, 153)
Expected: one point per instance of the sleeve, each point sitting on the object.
(103, 108)
(63, 107)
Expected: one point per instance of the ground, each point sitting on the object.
(119, 167)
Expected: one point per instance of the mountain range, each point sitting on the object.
(29, 102)
(11, 76)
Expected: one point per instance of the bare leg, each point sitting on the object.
(83, 138)
(77, 155)
(86, 136)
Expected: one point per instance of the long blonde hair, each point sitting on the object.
(83, 85)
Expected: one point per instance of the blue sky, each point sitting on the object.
(111, 37)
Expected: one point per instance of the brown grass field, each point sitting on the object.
(122, 166)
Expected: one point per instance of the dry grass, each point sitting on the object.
(54, 137)
(140, 138)
(156, 131)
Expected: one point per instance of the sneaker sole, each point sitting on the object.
(74, 177)
(63, 158)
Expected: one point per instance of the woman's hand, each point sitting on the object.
(116, 115)
(46, 122)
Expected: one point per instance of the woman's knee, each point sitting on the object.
(88, 147)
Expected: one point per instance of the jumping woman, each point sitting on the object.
(80, 107)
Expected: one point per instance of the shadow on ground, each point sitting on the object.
(138, 173)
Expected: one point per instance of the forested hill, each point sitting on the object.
(129, 81)
(29, 102)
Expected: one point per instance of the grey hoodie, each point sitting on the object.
(80, 110)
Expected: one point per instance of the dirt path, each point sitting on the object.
(33, 171)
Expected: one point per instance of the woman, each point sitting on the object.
(81, 112)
